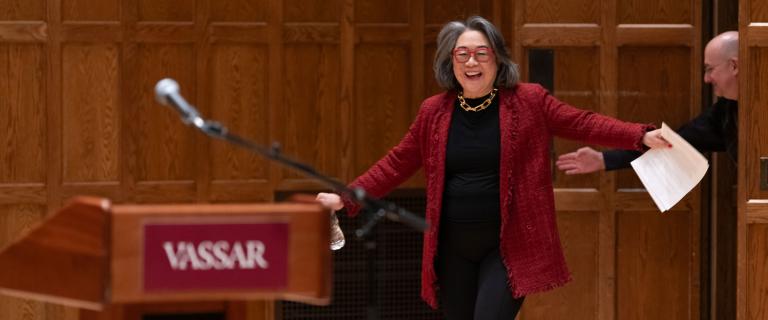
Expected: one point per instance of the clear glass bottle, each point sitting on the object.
(337, 235)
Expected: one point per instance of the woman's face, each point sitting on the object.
(478, 73)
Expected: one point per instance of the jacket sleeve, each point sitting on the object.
(703, 133)
(399, 164)
(572, 123)
(619, 159)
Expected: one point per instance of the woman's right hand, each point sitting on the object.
(333, 201)
(330, 200)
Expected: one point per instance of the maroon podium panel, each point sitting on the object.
(179, 257)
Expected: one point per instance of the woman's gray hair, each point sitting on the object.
(507, 75)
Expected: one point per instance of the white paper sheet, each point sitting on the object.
(670, 173)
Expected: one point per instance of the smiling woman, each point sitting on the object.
(473, 64)
(484, 145)
(460, 49)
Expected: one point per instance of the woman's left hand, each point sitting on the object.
(654, 140)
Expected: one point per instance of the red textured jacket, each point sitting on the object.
(528, 118)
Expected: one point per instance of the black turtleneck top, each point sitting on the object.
(472, 164)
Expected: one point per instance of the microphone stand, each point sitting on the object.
(379, 208)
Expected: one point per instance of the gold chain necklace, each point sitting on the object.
(480, 107)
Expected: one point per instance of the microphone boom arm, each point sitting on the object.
(379, 208)
(167, 94)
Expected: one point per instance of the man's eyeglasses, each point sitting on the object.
(481, 54)
(708, 69)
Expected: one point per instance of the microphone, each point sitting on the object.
(167, 94)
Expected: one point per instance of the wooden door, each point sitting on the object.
(752, 242)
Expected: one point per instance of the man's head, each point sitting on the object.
(721, 65)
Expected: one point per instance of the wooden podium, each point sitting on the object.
(114, 259)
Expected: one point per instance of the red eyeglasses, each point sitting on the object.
(481, 54)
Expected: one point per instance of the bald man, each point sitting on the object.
(715, 129)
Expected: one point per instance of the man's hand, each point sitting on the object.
(584, 160)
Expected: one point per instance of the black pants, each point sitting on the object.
(471, 276)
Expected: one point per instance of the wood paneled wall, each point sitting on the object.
(752, 277)
(337, 83)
